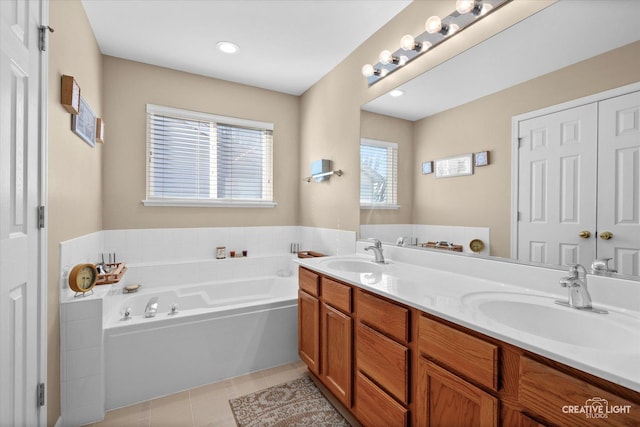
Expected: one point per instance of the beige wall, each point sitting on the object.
(330, 110)
(484, 199)
(129, 86)
(74, 168)
(385, 128)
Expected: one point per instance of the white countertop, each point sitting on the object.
(455, 297)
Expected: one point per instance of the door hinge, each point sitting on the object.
(41, 394)
(40, 216)
(519, 143)
(43, 29)
(518, 216)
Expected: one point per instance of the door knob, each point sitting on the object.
(584, 234)
(606, 235)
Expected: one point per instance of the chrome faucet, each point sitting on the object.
(377, 251)
(576, 283)
(601, 267)
(152, 307)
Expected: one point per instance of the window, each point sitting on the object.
(196, 159)
(378, 174)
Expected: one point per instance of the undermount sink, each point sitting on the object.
(540, 316)
(353, 265)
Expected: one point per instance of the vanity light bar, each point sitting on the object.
(436, 31)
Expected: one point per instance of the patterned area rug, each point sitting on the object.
(296, 403)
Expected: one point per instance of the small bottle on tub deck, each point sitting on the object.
(221, 252)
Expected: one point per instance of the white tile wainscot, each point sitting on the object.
(81, 357)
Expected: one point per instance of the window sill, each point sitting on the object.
(380, 206)
(208, 203)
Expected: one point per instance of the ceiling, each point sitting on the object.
(285, 46)
(567, 32)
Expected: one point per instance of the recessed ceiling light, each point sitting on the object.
(227, 47)
(396, 93)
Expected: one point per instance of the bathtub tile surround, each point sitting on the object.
(429, 233)
(95, 346)
(82, 361)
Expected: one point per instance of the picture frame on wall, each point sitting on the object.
(427, 167)
(83, 124)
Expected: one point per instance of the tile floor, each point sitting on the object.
(203, 406)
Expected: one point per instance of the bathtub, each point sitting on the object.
(221, 330)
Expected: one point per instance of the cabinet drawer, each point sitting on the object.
(468, 355)
(375, 408)
(336, 294)
(383, 360)
(553, 394)
(386, 317)
(309, 281)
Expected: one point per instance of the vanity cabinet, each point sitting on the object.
(382, 395)
(309, 320)
(391, 365)
(444, 396)
(325, 332)
(337, 342)
(464, 378)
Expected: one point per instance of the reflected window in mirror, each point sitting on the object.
(378, 174)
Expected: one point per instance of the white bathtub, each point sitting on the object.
(221, 330)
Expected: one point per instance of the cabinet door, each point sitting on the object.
(309, 331)
(444, 399)
(336, 353)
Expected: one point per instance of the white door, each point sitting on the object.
(20, 237)
(619, 182)
(557, 187)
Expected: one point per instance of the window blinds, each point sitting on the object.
(202, 157)
(378, 172)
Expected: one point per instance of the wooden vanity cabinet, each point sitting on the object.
(309, 319)
(325, 332)
(395, 366)
(337, 341)
(447, 358)
(382, 394)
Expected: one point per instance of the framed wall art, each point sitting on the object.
(454, 166)
(83, 124)
(427, 167)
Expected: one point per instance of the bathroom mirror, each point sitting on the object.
(466, 105)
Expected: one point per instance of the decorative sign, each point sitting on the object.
(481, 158)
(84, 124)
(427, 167)
(454, 166)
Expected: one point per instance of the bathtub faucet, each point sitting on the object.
(152, 307)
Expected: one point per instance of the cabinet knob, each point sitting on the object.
(606, 235)
(584, 234)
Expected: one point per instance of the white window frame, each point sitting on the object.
(392, 178)
(212, 202)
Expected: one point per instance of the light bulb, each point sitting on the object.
(386, 57)
(485, 8)
(396, 93)
(426, 45)
(465, 6)
(384, 72)
(407, 42)
(367, 70)
(433, 25)
(403, 60)
(452, 29)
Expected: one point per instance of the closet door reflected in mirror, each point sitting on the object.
(579, 185)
